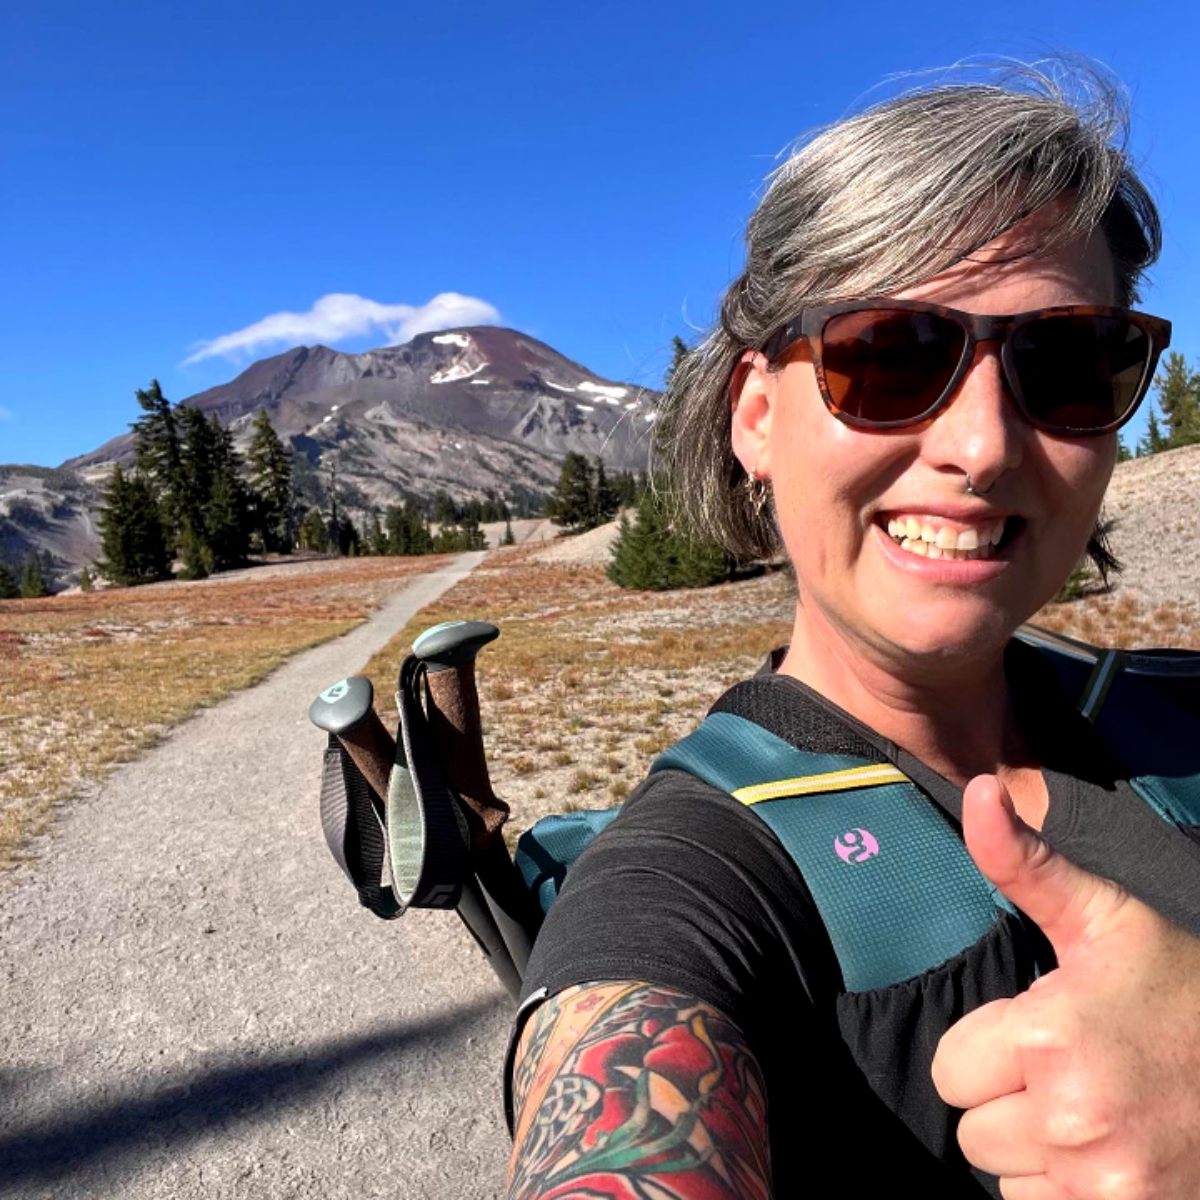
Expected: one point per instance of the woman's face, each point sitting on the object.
(838, 489)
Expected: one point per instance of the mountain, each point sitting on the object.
(468, 411)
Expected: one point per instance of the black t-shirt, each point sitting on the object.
(689, 889)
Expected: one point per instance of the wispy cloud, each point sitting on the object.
(342, 315)
(6, 414)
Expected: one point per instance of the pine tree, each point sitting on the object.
(1178, 388)
(605, 500)
(679, 351)
(374, 538)
(270, 470)
(312, 535)
(85, 579)
(8, 585)
(132, 538)
(159, 456)
(1154, 441)
(649, 556)
(508, 539)
(473, 538)
(573, 503)
(33, 579)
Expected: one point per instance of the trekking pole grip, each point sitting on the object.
(347, 711)
(449, 651)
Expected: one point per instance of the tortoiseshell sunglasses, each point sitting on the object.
(1074, 371)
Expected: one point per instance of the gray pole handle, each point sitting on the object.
(347, 710)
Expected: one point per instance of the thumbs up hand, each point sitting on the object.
(1088, 1084)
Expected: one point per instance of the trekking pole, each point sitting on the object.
(346, 711)
(448, 652)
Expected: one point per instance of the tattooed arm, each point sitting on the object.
(628, 1091)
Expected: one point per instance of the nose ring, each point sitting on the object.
(972, 490)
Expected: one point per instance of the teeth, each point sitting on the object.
(952, 543)
(935, 551)
(914, 547)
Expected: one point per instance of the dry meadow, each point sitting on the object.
(585, 685)
(92, 679)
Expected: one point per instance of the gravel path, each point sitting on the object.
(194, 1005)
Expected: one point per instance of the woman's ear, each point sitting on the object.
(752, 396)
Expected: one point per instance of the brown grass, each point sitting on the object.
(588, 682)
(92, 679)
(1124, 621)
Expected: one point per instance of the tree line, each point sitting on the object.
(191, 497)
(1174, 409)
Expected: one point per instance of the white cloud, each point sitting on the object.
(342, 315)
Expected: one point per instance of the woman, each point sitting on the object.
(934, 470)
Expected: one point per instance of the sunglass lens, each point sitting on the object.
(1080, 373)
(889, 366)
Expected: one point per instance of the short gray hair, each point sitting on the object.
(879, 202)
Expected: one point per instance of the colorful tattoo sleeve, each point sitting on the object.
(633, 1092)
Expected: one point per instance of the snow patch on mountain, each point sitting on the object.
(609, 393)
(456, 370)
(452, 339)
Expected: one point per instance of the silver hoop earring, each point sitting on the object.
(756, 490)
(972, 490)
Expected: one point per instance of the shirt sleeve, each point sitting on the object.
(688, 889)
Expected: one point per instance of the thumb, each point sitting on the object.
(1069, 904)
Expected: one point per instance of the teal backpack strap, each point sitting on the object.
(891, 879)
(1144, 705)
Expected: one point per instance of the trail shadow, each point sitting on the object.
(188, 1106)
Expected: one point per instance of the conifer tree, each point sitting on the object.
(1178, 388)
(374, 538)
(679, 351)
(85, 579)
(605, 499)
(33, 579)
(8, 585)
(649, 556)
(312, 535)
(270, 469)
(1154, 441)
(573, 502)
(508, 539)
(159, 456)
(133, 541)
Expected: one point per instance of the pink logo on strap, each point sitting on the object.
(856, 846)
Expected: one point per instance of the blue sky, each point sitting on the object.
(173, 175)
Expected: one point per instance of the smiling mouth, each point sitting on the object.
(933, 537)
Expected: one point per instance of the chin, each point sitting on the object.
(953, 633)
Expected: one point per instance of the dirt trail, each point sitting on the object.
(194, 1006)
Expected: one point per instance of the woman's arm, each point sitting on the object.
(626, 1091)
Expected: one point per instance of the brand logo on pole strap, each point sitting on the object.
(856, 846)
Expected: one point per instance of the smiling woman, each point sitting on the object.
(914, 391)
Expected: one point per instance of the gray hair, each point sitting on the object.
(882, 201)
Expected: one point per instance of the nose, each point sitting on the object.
(980, 433)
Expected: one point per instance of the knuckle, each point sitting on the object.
(1082, 1123)
(1125, 1183)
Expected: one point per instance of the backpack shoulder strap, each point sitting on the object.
(892, 881)
(1145, 705)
